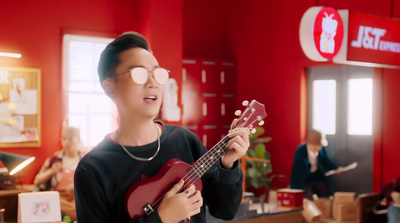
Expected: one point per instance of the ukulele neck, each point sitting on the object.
(210, 158)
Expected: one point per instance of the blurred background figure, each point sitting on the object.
(391, 192)
(57, 172)
(311, 162)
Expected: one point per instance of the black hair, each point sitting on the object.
(109, 58)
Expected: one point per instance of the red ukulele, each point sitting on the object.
(174, 170)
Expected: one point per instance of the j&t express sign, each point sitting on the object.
(350, 38)
(373, 39)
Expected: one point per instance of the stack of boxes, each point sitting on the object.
(342, 209)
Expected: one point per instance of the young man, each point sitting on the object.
(132, 78)
(310, 163)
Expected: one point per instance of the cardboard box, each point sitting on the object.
(290, 197)
(325, 206)
(310, 212)
(344, 197)
(344, 211)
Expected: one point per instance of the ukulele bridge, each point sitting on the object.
(148, 209)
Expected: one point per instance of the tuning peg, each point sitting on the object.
(238, 112)
(245, 103)
(253, 131)
(261, 123)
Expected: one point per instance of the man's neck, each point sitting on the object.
(137, 133)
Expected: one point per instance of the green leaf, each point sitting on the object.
(256, 174)
(253, 172)
(263, 140)
(260, 151)
(267, 155)
(251, 153)
(255, 183)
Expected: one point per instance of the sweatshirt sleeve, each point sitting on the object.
(300, 169)
(222, 191)
(298, 174)
(325, 161)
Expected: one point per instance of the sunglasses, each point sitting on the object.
(140, 75)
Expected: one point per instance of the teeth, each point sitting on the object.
(151, 97)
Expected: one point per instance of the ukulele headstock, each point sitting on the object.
(253, 115)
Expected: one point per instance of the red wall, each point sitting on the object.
(390, 123)
(34, 29)
(263, 37)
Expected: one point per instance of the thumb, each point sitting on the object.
(175, 189)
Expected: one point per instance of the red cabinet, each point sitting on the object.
(208, 98)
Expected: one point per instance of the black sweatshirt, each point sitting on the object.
(104, 175)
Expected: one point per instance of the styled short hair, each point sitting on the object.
(74, 131)
(316, 137)
(109, 58)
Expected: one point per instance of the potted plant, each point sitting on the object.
(256, 169)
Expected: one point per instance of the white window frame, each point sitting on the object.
(91, 134)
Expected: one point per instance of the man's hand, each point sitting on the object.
(340, 170)
(176, 206)
(56, 167)
(238, 144)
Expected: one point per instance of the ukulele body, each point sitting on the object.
(143, 197)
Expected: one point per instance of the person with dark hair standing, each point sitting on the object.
(391, 192)
(131, 76)
(310, 163)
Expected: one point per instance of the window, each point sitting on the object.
(88, 108)
(324, 106)
(359, 106)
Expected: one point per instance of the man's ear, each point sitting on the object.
(108, 87)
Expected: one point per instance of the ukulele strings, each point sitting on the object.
(192, 175)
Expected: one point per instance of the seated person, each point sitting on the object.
(391, 192)
(310, 163)
(57, 172)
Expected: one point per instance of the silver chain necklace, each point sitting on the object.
(140, 158)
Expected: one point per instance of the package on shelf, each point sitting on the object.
(290, 197)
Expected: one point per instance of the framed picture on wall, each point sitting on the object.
(20, 104)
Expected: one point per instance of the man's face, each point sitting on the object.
(69, 140)
(130, 97)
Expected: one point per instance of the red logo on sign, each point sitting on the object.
(328, 32)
